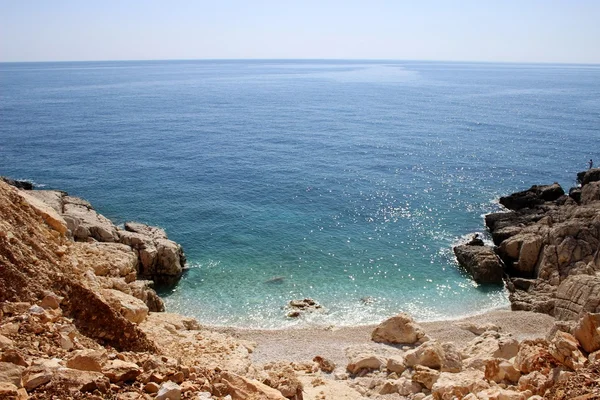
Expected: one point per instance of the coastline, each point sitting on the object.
(70, 268)
(300, 344)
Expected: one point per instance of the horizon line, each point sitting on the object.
(307, 59)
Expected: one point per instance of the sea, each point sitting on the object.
(344, 181)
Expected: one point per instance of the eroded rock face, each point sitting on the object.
(160, 259)
(400, 329)
(536, 195)
(546, 243)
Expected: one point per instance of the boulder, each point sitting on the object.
(395, 364)
(432, 354)
(400, 329)
(489, 345)
(536, 382)
(143, 290)
(565, 349)
(500, 370)
(587, 332)
(52, 198)
(522, 252)
(425, 376)
(120, 371)
(458, 385)
(534, 355)
(241, 388)
(75, 380)
(169, 391)
(87, 360)
(364, 361)
(481, 262)
(132, 309)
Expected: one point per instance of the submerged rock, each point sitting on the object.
(297, 307)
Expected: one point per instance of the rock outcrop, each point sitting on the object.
(158, 259)
(549, 244)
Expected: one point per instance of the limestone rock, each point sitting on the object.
(365, 361)
(11, 392)
(458, 385)
(132, 309)
(143, 290)
(499, 370)
(395, 364)
(34, 380)
(498, 393)
(13, 356)
(565, 348)
(48, 214)
(83, 381)
(425, 376)
(11, 373)
(587, 332)
(429, 354)
(52, 198)
(481, 262)
(536, 382)
(84, 222)
(576, 296)
(88, 360)
(241, 388)
(489, 345)
(145, 230)
(400, 329)
(534, 355)
(161, 260)
(120, 371)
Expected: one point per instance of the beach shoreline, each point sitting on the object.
(303, 343)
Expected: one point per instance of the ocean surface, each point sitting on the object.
(344, 181)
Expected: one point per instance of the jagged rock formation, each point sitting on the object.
(549, 244)
(158, 259)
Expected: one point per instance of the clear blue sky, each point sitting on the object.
(470, 30)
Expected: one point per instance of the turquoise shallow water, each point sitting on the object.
(345, 180)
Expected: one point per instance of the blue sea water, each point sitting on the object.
(343, 180)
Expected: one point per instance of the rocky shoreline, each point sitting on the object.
(546, 249)
(79, 318)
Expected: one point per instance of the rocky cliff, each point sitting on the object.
(549, 247)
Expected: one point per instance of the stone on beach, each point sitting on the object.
(400, 329)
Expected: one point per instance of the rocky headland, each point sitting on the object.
(79, 317)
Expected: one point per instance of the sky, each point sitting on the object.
(549, 31)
